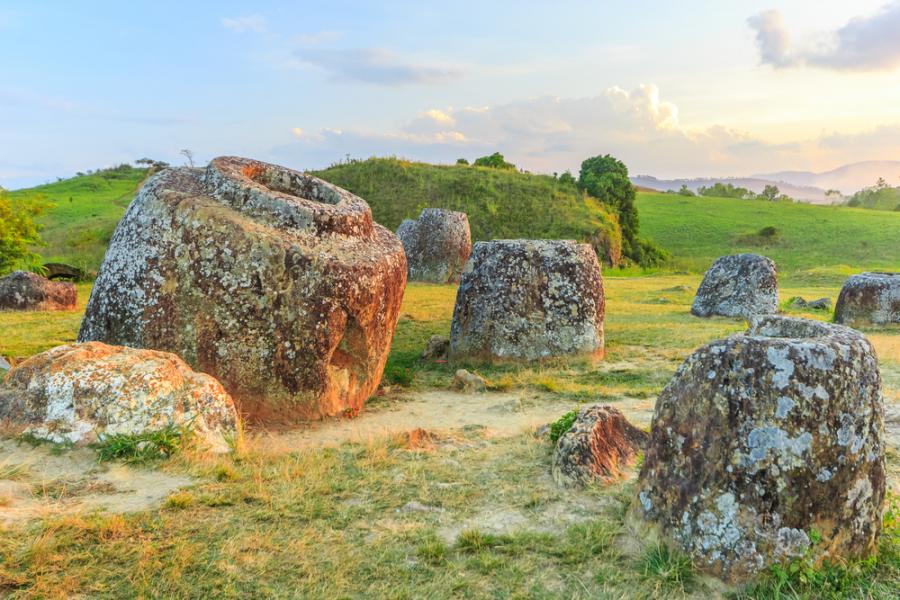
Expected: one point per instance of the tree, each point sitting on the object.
(606, 178)
(494, 161)
(567, 178)
(684, 191)
(189, 156)
(18, 231)
(462, 161)
(770, 193)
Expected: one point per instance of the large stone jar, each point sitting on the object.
(278, 284)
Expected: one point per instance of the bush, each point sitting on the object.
(494, 161)
(562, 425)
(462, 161)
(18, 232)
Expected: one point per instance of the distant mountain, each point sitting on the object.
(803, 193)
(847, 179)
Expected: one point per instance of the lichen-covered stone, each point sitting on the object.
(598, 446)
(528, 299)
(83, 392)
(437, 245)
(437, 348)
(278, 284)
(869, 299)
(763, 437)
(740, 285)
(468, 382)
(21, 290)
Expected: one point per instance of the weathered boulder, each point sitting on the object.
(21, 290)
(600, 443)
(740, 285)
(437, 245)
(437, 348)
(763, 437)
(869, 298)
(528, 299)
(468, 382)
(83, 392)
(278, 284)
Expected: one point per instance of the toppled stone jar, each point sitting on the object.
(21, 290)
(740, 285)
(437, 245)
(527, 300)
(82, 393)
(598, 446)
(277, 283)
(764, 437)
(869, 298)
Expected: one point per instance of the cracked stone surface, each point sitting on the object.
(527, 300)
(437, 245)
(22, 290)
(82, 392)
(869, 299)
(740, 285)
(763, 437)
(278, 284)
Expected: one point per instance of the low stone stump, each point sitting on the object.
(22, 290)
(760, 439)
(437, 245)
(275, 282)
(869, 299)
(527, 300)
(740, 285)
(83, 392)
(599, 444)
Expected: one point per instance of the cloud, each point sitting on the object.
(374, 66)
(319, 37)
(870, 43)
(252, 23)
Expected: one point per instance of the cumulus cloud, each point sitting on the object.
(374, 66)
(252, 23)
(867, 43)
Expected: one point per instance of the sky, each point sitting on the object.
(674, 89)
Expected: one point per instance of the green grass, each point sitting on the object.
(499, 204)
(143, 447)
(84, 212)
(821, 244)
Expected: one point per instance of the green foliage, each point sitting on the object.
(18, 231)
(878, 197)
(606, 178)
(494, 161)
(684, 191)
(562, 425)
(462, 161)
(670, 568)
(83, 213)
(567, 178)
(142, 447)
(726, 190)
(500, 203)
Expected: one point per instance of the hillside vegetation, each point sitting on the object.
(83, 212)
(499, 203)
(821, 243)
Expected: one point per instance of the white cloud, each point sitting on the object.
(374, 66)
(319, 37)
(869, 43)
(553, 134)
(252, 23)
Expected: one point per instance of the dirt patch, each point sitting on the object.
(36, 482)
(502, 414)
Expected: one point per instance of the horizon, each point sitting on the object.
(804, 87)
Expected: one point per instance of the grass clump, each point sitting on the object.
(562, 425)
(142, 447)
(667, 568)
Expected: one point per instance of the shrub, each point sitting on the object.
(562, 425)
(494, 161)
(18, 232)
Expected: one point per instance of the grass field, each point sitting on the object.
(821, 244)
(83, 213)
(334, 522)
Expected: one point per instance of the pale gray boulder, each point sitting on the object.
(869, 299)
(437, 245)
(740, 285)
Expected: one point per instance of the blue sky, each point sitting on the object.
(675, 89)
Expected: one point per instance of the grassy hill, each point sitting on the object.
(821, 243)
(83, 213)
(499, 203)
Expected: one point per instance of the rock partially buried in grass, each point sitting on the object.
(437, 348)
(869, 299)
(597, 447)
(764, 437)
(527, 300)
(437, 245)
(820, 304)
(21, 290)
(741, 285)
(277, 283)
(468, 382)
(83, 393)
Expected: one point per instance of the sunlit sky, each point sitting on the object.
(689, 88)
